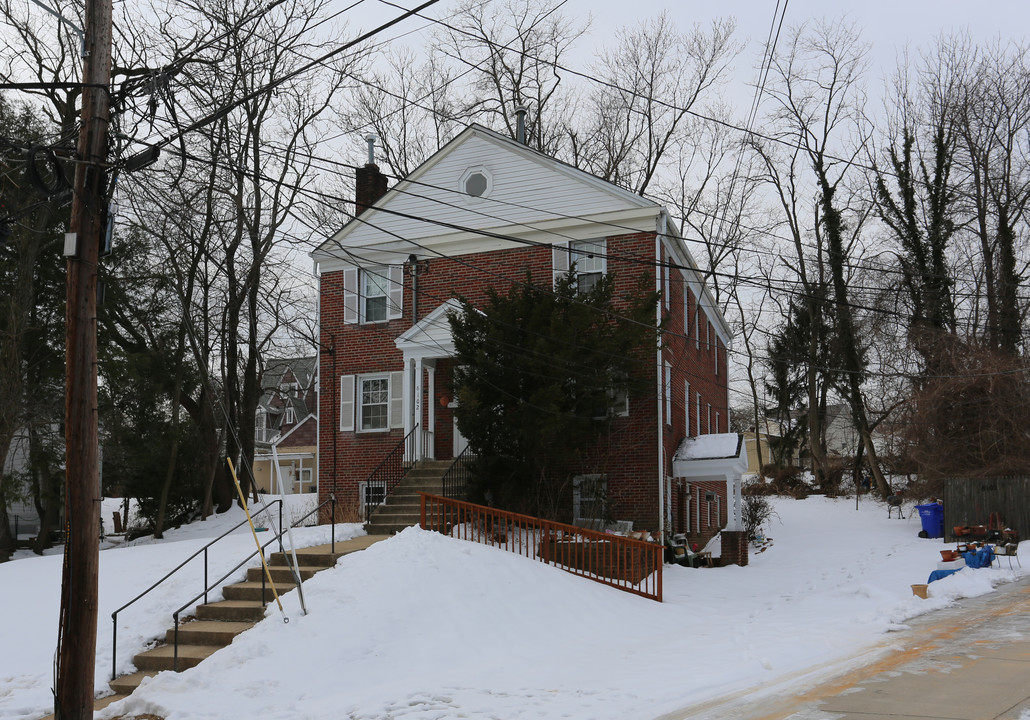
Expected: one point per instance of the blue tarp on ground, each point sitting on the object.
(977, 559)
(981, 558)
(938, 574)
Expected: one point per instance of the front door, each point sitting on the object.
(460, 443)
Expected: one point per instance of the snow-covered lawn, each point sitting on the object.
(425, 626)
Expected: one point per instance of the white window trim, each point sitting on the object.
(289, 414)
(717, 421)
(686, 308)
(469, 172)
(697, 410)
(362, 490)
(619, 402)
(577, 247)
(686, 408)
(668, 393)
(305, 478)
(358, 401)
(709, 418)
(354, 296)
(577, 498)
(667, 278)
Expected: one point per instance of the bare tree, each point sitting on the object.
(648, 86)
(513, 51)
(816, 89)
(413, 107)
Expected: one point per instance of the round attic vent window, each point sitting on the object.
(476, 184)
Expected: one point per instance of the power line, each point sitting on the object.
(788, 288)
(268, 87)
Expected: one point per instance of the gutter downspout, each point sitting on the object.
(318, 386)
(661, 229)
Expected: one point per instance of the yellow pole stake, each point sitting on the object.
(253, 532)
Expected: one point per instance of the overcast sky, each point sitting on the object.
(889, 26)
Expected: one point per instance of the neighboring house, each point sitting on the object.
(287, 419)
(21, 514)
(480, 213)
(765, 440)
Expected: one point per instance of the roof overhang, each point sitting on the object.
(431, 336)
(717, 457)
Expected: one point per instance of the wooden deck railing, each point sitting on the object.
(630, 565)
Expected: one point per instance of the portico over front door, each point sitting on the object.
(422, 345)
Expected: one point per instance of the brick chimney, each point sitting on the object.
(370, 184)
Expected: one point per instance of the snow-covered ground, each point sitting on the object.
(425, 626)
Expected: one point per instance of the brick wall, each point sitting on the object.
(632, 465)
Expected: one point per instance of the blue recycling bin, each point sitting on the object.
(932, 517)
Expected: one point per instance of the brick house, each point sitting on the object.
(480, 213)
(287, 420)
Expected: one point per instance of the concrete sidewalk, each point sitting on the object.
(967, 662)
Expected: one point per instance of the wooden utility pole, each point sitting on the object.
(78, 636)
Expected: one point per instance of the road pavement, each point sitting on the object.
(970, 661)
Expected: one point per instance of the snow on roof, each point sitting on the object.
(710, 447)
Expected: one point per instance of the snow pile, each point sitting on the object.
(426, 626)
(32, 600)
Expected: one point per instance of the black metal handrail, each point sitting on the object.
(277, 536)
(456, 479)
(191, 601)
(389, 473)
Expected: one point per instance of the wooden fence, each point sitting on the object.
(971, 501)
(633, 566)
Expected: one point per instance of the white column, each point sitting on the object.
(419, 450)
(431, 411)
(735, 521)
(406, 394)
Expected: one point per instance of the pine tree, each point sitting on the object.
(538, 374)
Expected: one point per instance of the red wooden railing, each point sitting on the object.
(630, 565)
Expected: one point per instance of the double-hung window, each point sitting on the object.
(589, 496)
(374, 403)
(374, 292)
(589, 258)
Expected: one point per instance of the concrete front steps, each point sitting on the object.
(217, 623)
(403, 507)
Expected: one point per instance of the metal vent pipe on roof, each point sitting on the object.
(371, 140)
(520, 124)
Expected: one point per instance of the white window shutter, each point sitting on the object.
(396, 304)
(350, 295)
(686, 409)
(346, 403)
(686, 308)
(396, 399)
(559, 260)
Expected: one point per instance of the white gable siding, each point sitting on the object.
(524, 190)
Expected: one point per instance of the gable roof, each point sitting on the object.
(533, 197)
(430, 336)
(531, 193)
(303, 369)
